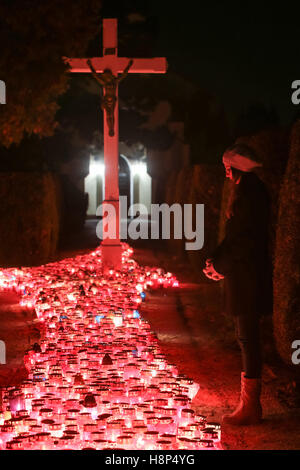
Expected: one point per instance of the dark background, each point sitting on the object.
(244, 52)
(231, 66)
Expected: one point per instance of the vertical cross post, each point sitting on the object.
(111, 247)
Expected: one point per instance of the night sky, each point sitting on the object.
(245, 54)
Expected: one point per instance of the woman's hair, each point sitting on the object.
(233, 192)
(236, 173)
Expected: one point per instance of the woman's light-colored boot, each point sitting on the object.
(249, 410)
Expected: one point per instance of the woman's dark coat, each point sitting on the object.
(242, 257)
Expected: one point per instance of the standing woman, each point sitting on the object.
(242, 261)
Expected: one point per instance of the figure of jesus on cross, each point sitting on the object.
(105, 70)
(109, 82)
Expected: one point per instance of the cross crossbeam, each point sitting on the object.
(155, 65)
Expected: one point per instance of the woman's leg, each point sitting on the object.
(249, 409)
(248, 336)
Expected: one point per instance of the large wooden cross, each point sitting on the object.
(111, 247)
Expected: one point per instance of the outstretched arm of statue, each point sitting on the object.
(124, 74)
(94, 73)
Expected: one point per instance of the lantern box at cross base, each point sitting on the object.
(98, 379)
(111, 254)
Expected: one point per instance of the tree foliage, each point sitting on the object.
(287, 255)
(35, 36)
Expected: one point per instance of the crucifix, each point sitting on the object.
(106, 69)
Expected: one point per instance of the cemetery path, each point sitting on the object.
(19, 329)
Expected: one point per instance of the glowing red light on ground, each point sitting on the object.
(98, 378)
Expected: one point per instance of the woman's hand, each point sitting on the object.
(210, 271)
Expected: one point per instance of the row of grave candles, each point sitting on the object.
(98, 379)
